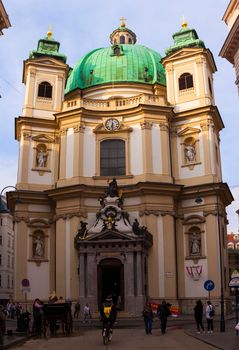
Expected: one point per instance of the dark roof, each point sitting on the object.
(3, 205)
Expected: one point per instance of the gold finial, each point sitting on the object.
(49, 32)
(122, 22)
(184, 23)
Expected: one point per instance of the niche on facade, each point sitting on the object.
(194, 235)
(41, 154)
(38, 241)
(190, 153)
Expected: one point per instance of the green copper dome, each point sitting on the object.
(115, 64)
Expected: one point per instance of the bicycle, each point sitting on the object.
(107, 334)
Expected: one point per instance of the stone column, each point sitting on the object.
(139, 274)
(78, 149)
(63, 154)
(147, 147)
(82, 276)
(129, 282)
(91, 281)
(139, 303)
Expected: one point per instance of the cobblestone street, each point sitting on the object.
(133, 339)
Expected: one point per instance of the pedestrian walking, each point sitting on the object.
(87, 313)
(37, 317)
(148, 318)
(210, 312)
(163, 312)
(2, 326)
(198, 314)
(77, 310)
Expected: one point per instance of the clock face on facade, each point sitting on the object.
(112, 124)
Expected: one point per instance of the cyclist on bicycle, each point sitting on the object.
(108, 315)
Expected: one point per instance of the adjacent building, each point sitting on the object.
(6, 252)
(119, 175)
(4, 19)
(230, 49)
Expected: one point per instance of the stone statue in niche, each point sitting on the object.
(112, 190)
(39, 247)
(41, 158)
(190, 153)
(195, 243)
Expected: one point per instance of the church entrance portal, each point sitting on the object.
(111, 282)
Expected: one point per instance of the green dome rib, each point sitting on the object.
(136, 63)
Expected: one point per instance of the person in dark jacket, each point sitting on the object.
(108, 314)
(198, 314)
(163, 312)
(148, 318)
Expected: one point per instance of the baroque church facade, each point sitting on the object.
(119, 180)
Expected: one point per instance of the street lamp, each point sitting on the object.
(6, 188)
(2, 196)
(198, 200)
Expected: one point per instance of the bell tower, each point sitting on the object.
(197, 123)
(44, 74)
(189, 70)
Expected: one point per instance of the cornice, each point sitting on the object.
(201, 111)
(231, 43)
(141, 108)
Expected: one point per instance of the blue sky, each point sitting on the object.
(81, 26)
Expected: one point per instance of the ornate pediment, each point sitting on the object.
(185, 52)
(108, 235)
(43, 138)
(188, 131)
(193, 219)
(49, 61)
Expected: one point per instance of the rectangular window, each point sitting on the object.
(0, 259)
(112, 158)
(0, 239)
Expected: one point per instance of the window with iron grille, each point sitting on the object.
(112, 158)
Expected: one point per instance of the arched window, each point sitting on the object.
(237, 246)
(122, 39)
(112, 158)
(185, 81)
(117, 51)
(130, 41)
(45, 89)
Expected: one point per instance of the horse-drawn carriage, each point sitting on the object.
(56, 316)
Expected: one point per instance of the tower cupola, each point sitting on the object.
(48, 47)
(185, 37)
(122, 35)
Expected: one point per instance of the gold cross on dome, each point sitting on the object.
(122, 22)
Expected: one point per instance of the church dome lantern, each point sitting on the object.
(122, 35)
